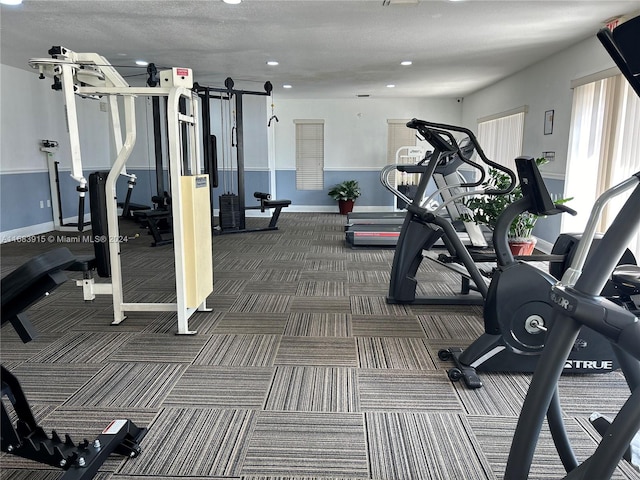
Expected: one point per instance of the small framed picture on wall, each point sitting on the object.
(548, 122)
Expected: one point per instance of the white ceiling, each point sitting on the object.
(326, 48)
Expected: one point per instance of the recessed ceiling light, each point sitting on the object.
(273, 63)
(391, 85)
(287, 86)
(406, 62)
(10, 2)
(232, 2)
(142, 63)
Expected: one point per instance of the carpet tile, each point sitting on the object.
(388, 352)
(239, 350)
(320, 351)
(128, 385)
(406, 391)
(427, 446)
(313, 389)
(308, 444)
(319, 325)
(196, 442)
(221, 387)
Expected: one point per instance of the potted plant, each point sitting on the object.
(485, 210)
(345, 193)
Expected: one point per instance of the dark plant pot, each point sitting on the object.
(346, 206)
(521, 248)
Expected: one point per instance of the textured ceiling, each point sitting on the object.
(326, 48)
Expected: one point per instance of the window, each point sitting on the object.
(309, 154)
(604, 148)
(398, 135)
(500, 136)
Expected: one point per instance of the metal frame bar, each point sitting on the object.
(103, 80)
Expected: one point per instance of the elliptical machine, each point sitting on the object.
(518, 309)
(423, 228)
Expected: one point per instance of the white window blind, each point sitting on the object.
(398, 135)
(309, 154)
(604, 148)
(500, 136)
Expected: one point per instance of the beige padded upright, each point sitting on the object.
(198, 257)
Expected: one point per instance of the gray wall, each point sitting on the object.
(543, 86)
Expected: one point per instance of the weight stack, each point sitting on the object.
(229, 211)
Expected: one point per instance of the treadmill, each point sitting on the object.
(379, 235)
(382, 229)
(405, 154)
(375, 218)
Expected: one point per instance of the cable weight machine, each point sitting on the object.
(232, 206)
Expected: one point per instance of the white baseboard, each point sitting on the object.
(543, 245)
(334, 209)
(22, 233)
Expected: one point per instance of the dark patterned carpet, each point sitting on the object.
(302, 371)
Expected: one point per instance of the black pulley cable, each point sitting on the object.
(273, 115)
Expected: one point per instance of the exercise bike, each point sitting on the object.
(518, 310)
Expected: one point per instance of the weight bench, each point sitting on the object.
(129, 208)
(265, 203)
(152, 218)
(25, 438)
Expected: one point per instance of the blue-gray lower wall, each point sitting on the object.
(21, 194)
(548, 228)
(20, 197)
(373, 193)
(254, 181)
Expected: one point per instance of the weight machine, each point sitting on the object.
(90, 75)
(233, 207)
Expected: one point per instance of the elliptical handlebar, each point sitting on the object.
(456, 151)
(384, 179)
(429, 131)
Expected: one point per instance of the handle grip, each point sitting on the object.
(81, 213)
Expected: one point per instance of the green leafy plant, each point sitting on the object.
(347, 190)
(485, 209)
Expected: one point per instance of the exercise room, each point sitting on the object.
(320, 239)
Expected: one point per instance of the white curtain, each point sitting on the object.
(501, 138)
(625, 159)
(604, 148)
